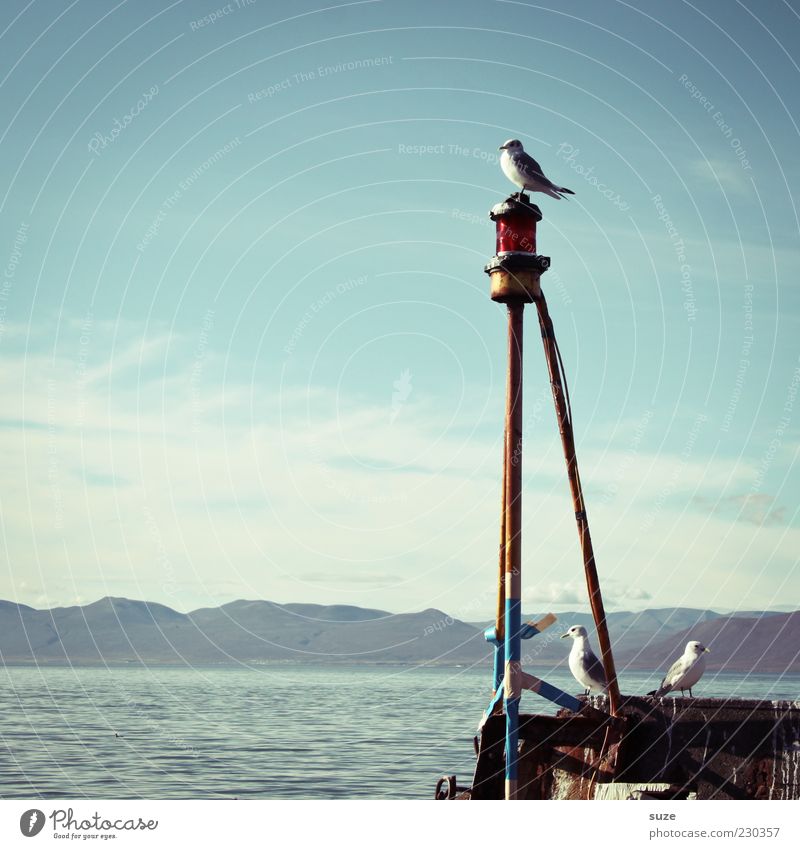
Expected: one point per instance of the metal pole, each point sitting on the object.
(568, 444)
(512, 685)
(500, 617)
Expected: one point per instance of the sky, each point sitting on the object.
(248, 349)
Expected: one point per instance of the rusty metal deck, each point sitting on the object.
(667, 748)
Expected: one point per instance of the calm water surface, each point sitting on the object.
(267, 733)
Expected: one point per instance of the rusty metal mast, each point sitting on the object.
(649, 747)
(515, 273)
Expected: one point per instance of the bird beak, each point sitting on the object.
(564, 635)
(707, 651)
(502, 147)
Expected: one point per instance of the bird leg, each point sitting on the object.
(690, 693)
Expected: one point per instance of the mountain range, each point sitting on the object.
(120, 630)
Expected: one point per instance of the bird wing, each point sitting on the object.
(675, 671)
(531, 168)
(594, 668)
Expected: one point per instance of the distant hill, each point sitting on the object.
(647, 639)
(757, 643)
(120, 630)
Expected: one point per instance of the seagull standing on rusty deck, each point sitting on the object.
(583, 662)
(524, 171)
(685, 672)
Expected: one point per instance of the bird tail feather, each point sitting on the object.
(565, 191)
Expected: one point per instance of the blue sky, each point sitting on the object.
(247, 340)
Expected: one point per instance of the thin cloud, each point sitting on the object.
(728, 175)
(211, 489)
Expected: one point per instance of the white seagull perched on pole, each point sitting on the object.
(583, 662)
(685, 672)
(524, 171)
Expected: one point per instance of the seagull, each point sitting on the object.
(685, 672)
(524, 171)
(583, 662)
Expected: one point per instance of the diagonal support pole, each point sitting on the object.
(563, 412)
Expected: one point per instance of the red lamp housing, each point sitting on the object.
(515, 224)
(515, 269)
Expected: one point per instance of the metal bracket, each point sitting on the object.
(531, 629)
(528, 630)
(530, 682)
(517, 261)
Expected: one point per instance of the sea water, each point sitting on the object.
(268, 732)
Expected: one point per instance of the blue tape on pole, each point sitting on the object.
(497, 698)
(499, 667)
(490, 635)
(513, 617)
(513, 623)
